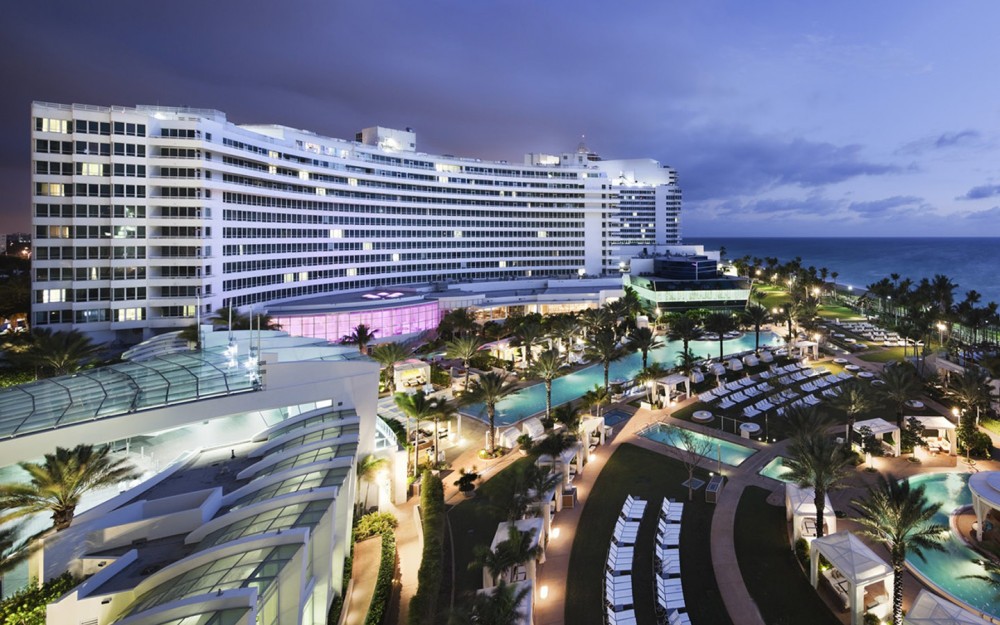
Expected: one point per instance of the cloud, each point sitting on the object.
(981, 192)
(878, 208)
(961, 138)
(983, 215)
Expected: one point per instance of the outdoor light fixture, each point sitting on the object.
(555, 532)
(544, 592)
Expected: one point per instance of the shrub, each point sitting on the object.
(467, 481)
(333, 617)
(27, 607)
(802, 552)
(423, 606)
(374, 524)
(383, 583)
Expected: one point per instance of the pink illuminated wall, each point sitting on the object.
(387, 321)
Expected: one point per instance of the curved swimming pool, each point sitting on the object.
(943, 568)
(531, 400)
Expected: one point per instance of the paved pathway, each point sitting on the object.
(364, 573)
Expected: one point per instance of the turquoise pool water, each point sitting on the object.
(730, 453)
(775, 469)
(531, 400)
(945, 567)
(614, 417)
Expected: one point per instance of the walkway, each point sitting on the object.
(364, 573)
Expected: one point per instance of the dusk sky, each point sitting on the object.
(782, 118)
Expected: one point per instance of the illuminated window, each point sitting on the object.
(45, 124)
(272, 169)
(304, 175)
(458, 234)
(351, 271)
(542, 234)
(273, 154)
(337, 234)
(367, 246)
(395, 258)
(53, 296)
(320, 191)
(352, 181)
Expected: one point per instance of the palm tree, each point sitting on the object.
(361, 336)
(60, 352)
(567, 415)
(719, 323)
(555, 443)
(684, 328)
(547, 367)
(687, 362)
(527, 336)
(418, 407)
(603, 346)
(445, 411)
(500, 606)
(803, 420)
(854, 397)
(971, 391)
(233, 319)
(465, 348)
(898, 516)
(564, 328)
(901, 385)
(388, 355)
(488, 390)
(644, 340)
(629, 304)
(651, 373)
(457, 322)
(58, 483)
(755, 317)
(784, 315)
(368, 469)
(819, 463)
(503, 560)
(597, 396)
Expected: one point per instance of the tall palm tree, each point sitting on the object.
(630, 304)
(489, 389)
(58, 483)
(60, 352)
(547, 367)
(784, 315)
(457, 322)
(555, 443)
(901, 385)
(971, 391)
(564, 328)
(819, 463)
(603, 346)
(419, 408)
(649, 374)
(503, 560)
(499, 606)
(527, 336)
(592, 319)
(568, 415)
(719, 323)
(899, 517)
(388, 355)
(687, 362)
(803, 420)
(644, 340)
(233, 319)
(684, 328)
(597, 396)
(368, 469)
(854, 397)
(754, 317)
(362, 336)
(464, 348)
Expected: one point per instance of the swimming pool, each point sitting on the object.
(615, 416)
(775, 469)
(531, 400)
(729, 453)
(943, 568)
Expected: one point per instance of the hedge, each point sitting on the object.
(27, 607)
(423, 606)
(337, 606)
(374, 524)
(383, 584)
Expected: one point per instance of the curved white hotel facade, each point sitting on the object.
(147, 217)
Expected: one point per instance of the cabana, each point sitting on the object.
(716, 368)
(411, 375)
(573, 453)
(800, 509)
(806, 348)
(879, 428)
(533, 428)
(697, 376)
(985, 488)
(525, 572)
(548, 504)
(734, 365)
(507, 438)
(930, 609)
(766, 356)
(591, 428)
(750, 360)
(945, 434)
(855, 568)
(669, 384)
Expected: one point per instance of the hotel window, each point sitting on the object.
(45, 124)
(52, 189)
(53, 296)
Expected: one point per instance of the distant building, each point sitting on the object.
(686, 278)
(18, 244)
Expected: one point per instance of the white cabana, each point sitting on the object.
(548, 504)
(800, 509)
(930, 609)
(716, 368)
(508, 438)
(669, 385)
(855, 568)
(533, 427)
(985, 488)
(879, 428)
(734, 365)
(806, 348)
(750, 360)
(527, 570)
(697, 376)
(411, 375)
(766, 356)
(576, 453)
(592, 428)
(945, 434)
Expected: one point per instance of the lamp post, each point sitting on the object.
(941, 327)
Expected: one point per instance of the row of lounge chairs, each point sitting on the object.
(618, 600)
(671, 608)
(795, 384)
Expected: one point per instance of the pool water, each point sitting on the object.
(531, 400)
(614, 417)
(775, 469)
(944, 568)
(729, 453)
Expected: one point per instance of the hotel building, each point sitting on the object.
(146, 218)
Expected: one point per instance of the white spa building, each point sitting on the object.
(147, 217)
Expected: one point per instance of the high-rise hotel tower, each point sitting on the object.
(147, 217)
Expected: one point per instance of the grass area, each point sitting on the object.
(991, 424)
(776, 582)
(771, 297)
(474, 522)
(651, 476)
(888, 354)
(836, 312)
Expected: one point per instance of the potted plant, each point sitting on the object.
(467, 482)
(525, 443)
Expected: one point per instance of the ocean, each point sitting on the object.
(972, 263)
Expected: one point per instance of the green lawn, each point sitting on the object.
(651, 476)
(776, 582)
(836, 312)
(888, 354)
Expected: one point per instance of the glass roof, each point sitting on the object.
(231, 616)
(302, 514)
(314, 479)
(328, 415)
(116, 390)
(330, 432)
(308, 457)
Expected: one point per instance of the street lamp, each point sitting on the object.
(941, 327)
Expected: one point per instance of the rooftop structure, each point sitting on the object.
(684, 278)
